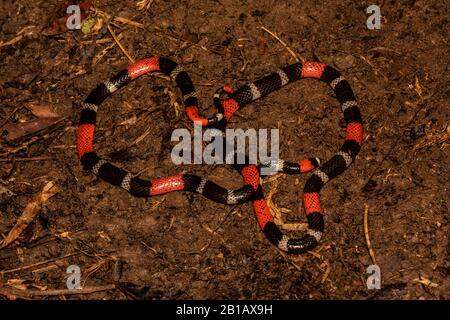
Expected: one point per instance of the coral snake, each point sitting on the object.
(228, 102)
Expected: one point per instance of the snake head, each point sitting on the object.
(220, 95)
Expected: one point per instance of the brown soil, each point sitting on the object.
(185, 246)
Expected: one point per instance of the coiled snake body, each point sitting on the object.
(227, 103)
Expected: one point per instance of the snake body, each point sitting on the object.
(232, 101)
(228, 102)
(120, 177)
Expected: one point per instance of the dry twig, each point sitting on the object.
(144, 4)
(39, 263)
(366, 234)
(30, 212)
(129, 22)
(273, 34)
(14, 293)
(125, 52)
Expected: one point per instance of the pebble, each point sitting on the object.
(204, 29)
(176, 200)
(5, 195)
(53, 250)
(345, 62)
(417, 132)
(165, 24)
(370, 186)
(9, 27)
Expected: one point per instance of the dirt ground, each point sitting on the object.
(183, 246)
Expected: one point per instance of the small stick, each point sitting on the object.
(119, 44)
(102, 53)
(100, 41)
(327, 272)
(28, 159)
(373, 67)
(289, 259)
(176, 38)
(204, 84)
(366, 234)
(399, 137)
(144, 4)
(147, 246)
(129, 22)
(11, 42)
(29, 213)
(142, 137)
(273, 34)
(39, 263)
(10, 115)
(214, 231)
(45, 269)
(33, 293)
(384, 49)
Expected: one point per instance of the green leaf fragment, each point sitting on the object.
(87, 24)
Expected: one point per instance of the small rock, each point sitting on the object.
(242, 18)
(176, 200)
(415, 239)
(417, 132)
(189, 35)
(345, 62)
(393, 263)
(5, 195)
(189, 58)
(247, 294)
(165, 24)
(258, 13)
(118, 269)
(370, 186)
(204, 28)
(54, 250)
(9, 27)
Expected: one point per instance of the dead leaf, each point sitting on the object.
(103, 235)
(418, 87)
(30, 212)
(21, 284)
(6, 293)
(64, 235)
(5, 192)
(98, 25)
(42, 288)
(17, 284)
(11, 42)
(173, 101)
(144, 4)
(426, 282)
(17, 131)
(42, 111)
(129, 121)
(19, 252)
